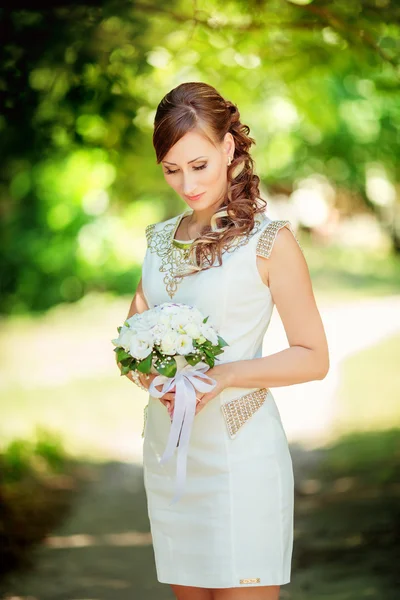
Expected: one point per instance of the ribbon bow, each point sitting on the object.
(186, 381)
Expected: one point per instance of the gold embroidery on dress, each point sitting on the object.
(144, 419)
(238, 411)
(267, 238)
(255, 580)
(175, 255)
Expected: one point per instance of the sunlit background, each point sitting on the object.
(318, 84)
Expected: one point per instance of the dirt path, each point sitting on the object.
(103, 550)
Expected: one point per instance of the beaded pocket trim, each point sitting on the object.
(236, 412)
(239, 410)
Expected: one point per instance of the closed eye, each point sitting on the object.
(169, 172)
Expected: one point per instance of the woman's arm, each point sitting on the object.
(138, 304)
(287, 275)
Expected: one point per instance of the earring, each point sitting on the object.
(229, 160)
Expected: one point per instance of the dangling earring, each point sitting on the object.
(229, 160)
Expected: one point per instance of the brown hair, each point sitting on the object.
(198, 106)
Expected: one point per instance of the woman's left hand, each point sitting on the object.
(222, 374)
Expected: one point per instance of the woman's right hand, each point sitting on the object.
(168, 399)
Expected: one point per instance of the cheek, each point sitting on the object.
(214, 175)
(172, 181)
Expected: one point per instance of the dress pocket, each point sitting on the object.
(239, 410)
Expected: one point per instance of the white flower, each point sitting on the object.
(193, 330)
(179, 322)
(138, 323)
(168, 342)
(210, 334)
(164, 319)
(124, 338)
(141, 345)
(184, 344)
(159, 330)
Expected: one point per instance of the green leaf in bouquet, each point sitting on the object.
(192, 359)
(206, 319)
(119, 328)
(128, 362)
(166, 366)
(144, 366)
(222, 342)
(217, 351)
(210, 356)
(122, 354)
(125, 369)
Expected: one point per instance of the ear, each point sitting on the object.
(229, 144)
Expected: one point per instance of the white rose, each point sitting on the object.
(138, 323)
(193, 330)
(198, 318)
(168, 343)
(124, 338)
(179, 322)
(164, 319)
(169, 309)
(141, 345)
(210, 334)
(158, 332)
(184, 344)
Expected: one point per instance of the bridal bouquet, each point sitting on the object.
(175, 341)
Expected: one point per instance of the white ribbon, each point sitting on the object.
(186, 381)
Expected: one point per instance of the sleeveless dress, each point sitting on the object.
(233, 527)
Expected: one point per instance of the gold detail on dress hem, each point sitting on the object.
(239, 410)
(267, 238)
(255, 580)
(175, 259)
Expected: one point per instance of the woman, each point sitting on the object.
(231, 534)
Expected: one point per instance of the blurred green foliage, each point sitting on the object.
(44, 454)
(316, 81)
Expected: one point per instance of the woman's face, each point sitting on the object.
(195, 166)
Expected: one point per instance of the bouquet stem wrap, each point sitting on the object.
(187, 379)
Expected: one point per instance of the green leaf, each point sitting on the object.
(127, 361)
(122, 354)
(144, 366)
(222, 342)
(218, 351)
(125, 369)
(169, 369)
(192, 359)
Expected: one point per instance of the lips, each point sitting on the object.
(195, 197)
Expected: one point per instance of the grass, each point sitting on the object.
(340, 273)
(369, 391)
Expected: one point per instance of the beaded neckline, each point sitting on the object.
(174, 254)
(184, 244)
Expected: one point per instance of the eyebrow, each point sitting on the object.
(190, 161)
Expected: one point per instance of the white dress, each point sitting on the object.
(234, 525)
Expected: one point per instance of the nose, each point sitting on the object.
(189, 185)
